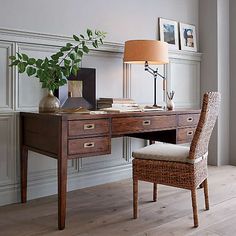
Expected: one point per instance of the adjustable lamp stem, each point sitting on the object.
(155, 73)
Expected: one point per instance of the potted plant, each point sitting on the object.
(52, 72)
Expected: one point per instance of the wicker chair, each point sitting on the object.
(176, 165)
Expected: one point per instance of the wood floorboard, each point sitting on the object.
(106, 210)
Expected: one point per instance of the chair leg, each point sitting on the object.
(194, 205)
(135, 198)
(205, 185)
(154, 192)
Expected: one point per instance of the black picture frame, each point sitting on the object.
(88, 78)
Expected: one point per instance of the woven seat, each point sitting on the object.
(176, 165)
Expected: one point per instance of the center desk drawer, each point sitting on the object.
(90, 146)
(88, 127)
(137, 124)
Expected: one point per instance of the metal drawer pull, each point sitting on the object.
(89, 126)
(190, 133)
(190, 119)
(89, 145)
(146, 122)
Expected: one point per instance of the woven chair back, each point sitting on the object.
(209, 113)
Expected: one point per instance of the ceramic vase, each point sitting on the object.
(170, 104)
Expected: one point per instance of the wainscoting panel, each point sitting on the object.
(6, 79)
(29, 90)
(20, 93)
(184, 79)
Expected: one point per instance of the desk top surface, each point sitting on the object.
(77, 115)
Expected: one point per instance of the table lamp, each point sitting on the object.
(148, 52)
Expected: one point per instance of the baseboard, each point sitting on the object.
(42, 188)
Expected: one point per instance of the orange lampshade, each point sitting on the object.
(140, 51)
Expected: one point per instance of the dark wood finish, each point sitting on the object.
(62, 174)
(68, 136)
(88, 127)
(188, 119)
(185, 135)
(141, 124)
(89, 146)
(24, 170)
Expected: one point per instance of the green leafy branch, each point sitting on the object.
(53, 71)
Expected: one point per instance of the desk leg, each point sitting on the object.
(24, 170)
(62, 182)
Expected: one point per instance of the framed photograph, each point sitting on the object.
(169, 32)
(188, 39)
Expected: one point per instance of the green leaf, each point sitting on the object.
(68, 45)
(39, 62)
(55, 57)
(64, 49)
(15, 63)
(85, 49)
(74, 70)
(72, 56)
(77, 60)
(89, 33)
(60, 54)
(40, 73)
(12, 58)
(76, 48)
(19, 56)
(31, 61)
(81, 36)
(21, 67)
(24, 57)
(66, 62)
(30, 71)
(101, 40)
(76, 38)
(80, 53)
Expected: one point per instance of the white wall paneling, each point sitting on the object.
(184, 79)
(7, 158)
(19, 93)
(6, 77)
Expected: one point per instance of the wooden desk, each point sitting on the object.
(69, 136)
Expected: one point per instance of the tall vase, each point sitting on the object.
(49, 103)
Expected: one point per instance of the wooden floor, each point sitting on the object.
(106, 210)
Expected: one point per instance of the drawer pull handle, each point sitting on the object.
(146, 122)
(189, 119)
(190, 133)
(89, 145)
(89, 126)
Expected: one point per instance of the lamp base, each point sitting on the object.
(153, 107)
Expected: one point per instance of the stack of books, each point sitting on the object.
(117, 104)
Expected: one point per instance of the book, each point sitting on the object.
(116, 100)
(122, 109)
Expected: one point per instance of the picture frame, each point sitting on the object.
(169, 33)
(188, 41)
(87, 95)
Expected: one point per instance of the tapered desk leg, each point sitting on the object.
(62, 184)
(24, 170)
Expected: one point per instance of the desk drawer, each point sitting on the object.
(138, 124)
(90, 146)
(88, 127)
(185, 135)
(188, 120)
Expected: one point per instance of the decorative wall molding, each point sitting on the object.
(6, 74)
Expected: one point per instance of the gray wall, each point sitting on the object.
(122, 19)
(232, 82)
(214, 44)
